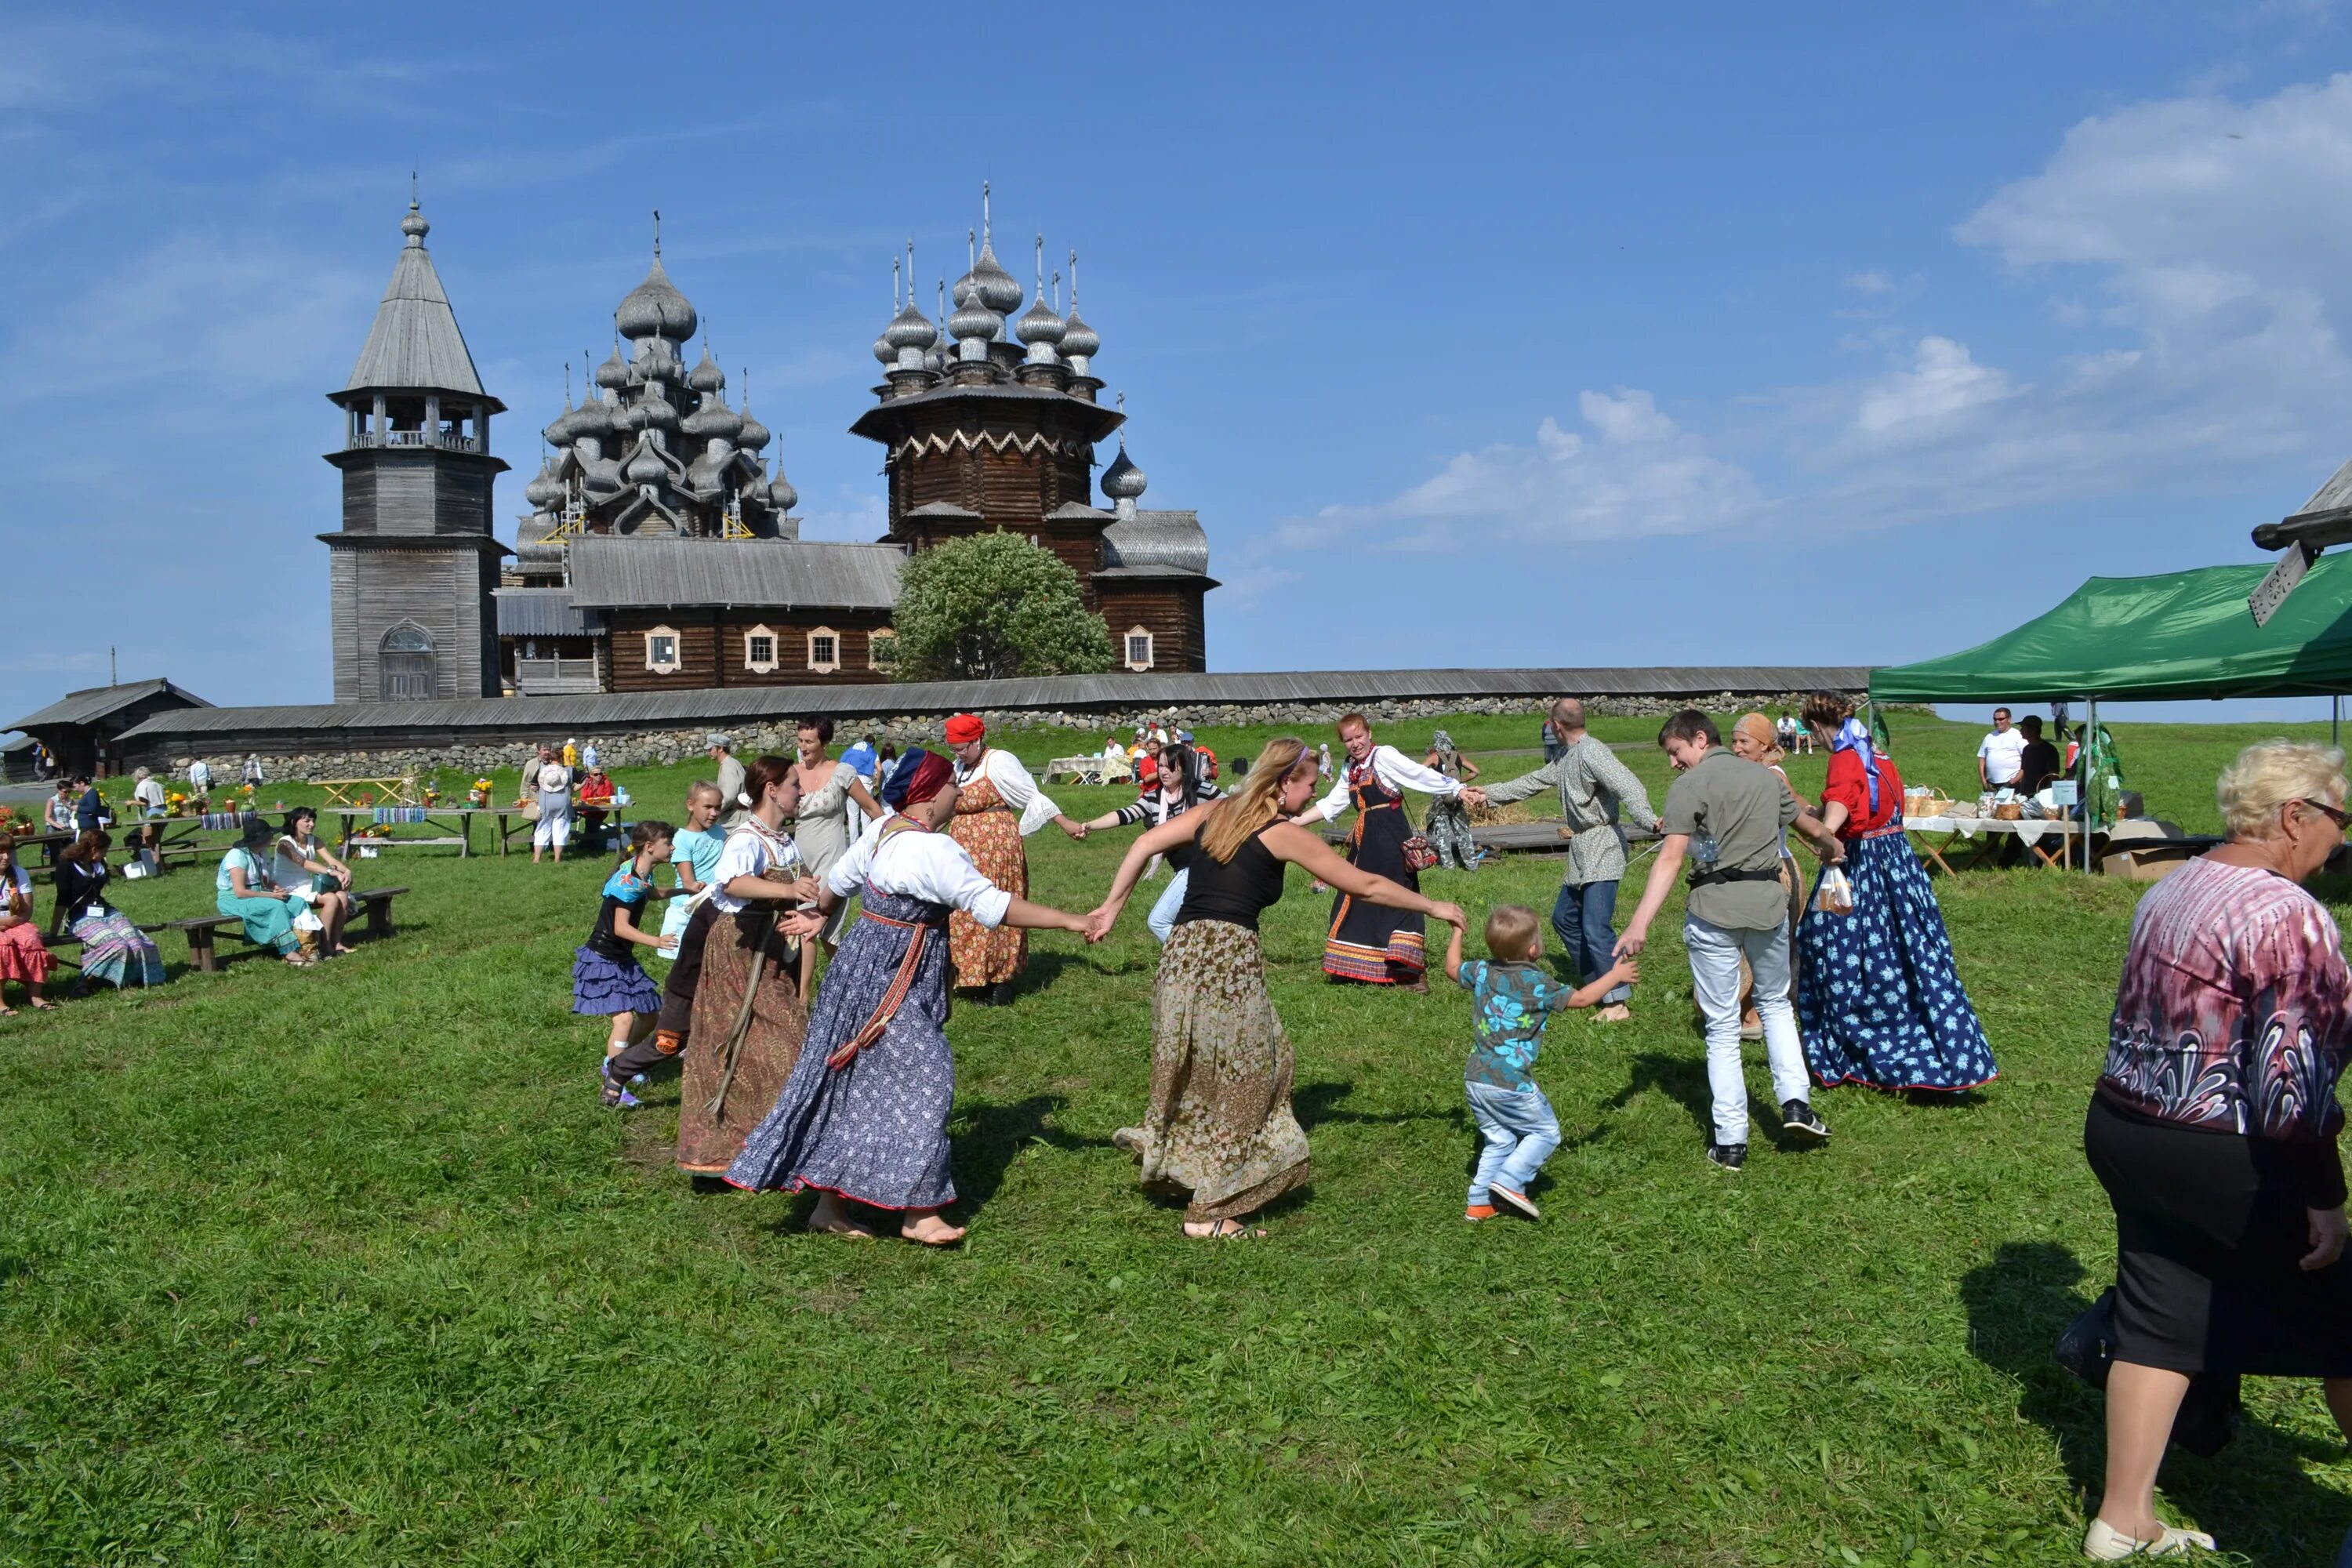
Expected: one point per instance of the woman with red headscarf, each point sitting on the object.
(864, 1116)
(997, 805)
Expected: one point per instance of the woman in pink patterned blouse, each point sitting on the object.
(2213, 1130)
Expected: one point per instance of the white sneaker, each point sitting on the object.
(2104, 1543)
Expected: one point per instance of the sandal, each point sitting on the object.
(41, 1005)
(2104, 1543)
(1223, 1230)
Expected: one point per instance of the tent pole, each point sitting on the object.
(2336, 721)
(2090, 746)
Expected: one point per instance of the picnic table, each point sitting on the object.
(396, 792)
(456, 824)
(1925, 832)
(1092, 768)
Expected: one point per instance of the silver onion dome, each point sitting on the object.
(654, 412)
(647, 466)
(562, 430)
(754, 437)
(656, 309)
(781, 494)
(545, 490)
(1123, 480)
(1041, 325)
(594, 418)
(713, 419)
(614, 374)
(974, 320)
(1078, 340)
(706, 376)
(414, 227)
(909, 329)
(884, 351)
(998, 289)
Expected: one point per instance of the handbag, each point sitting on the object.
(1418, 854)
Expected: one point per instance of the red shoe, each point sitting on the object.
(1476, 1212)
(1520, 1201)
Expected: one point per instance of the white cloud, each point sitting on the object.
(1943, 382)
(1870, 282)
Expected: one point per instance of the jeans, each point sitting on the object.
(1162, 918)
(1520, 1131)
(1584, 917)
(1715, 954)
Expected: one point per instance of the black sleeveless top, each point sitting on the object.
(1233, 890)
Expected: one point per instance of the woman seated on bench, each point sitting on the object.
(596, 797)
(244, 889)
(112, 949)
(24, 957)
(309, 873)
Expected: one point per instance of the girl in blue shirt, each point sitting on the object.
(606, 981)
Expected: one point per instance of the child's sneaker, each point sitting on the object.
(1476, 1212)
(616, 1095)
(1520, 1201)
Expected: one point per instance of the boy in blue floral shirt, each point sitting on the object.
(1515, 1000)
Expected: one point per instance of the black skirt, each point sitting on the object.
(2208, 1240)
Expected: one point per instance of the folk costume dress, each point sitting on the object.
(1449, 820)
(113, 949)
(1371, 942)
(1219, 1125)
(605, 975)
(997, 805)
(24, 957)
(865, 1112)
(748, 1019)
(268, 922)
(1878, 999)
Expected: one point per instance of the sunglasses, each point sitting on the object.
(2333, 815)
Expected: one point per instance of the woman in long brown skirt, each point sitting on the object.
(1219, 1125)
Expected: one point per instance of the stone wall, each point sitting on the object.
(1034, 732)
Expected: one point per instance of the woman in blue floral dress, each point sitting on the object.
(1878, 999)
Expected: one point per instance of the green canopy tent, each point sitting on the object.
(2179, 634)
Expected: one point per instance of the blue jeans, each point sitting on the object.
(1520, 1131)
(1162, 918)
(1584, 918)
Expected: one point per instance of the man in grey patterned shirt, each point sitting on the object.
(1594, 789)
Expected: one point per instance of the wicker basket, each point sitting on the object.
(2009, 810)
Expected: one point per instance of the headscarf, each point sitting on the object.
(1758, 728)
(964, 729)
(1441, 743)
(919, 776)
(1852, 737)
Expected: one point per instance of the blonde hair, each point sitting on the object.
(2269, 774)
(1233, 819)
(1511, 932)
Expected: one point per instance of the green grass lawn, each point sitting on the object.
(350, 1266)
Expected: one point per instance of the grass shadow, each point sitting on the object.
(1314, 1105)
(989, 1136)
(2256, 1496)
(1683, 1079)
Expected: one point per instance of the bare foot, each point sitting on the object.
(41, 1007)
(829, 1218)
(1615, 1013)
(1222, 1230)
(930, 1229)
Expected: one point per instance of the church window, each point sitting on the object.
(1139, 649)
(661, 650)
(406, 660)
(824, 649)
(760, 651)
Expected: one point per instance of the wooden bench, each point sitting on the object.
(376, 903)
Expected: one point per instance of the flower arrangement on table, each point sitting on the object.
(176, 803)
(479, 795)
(366, 798)
(432, 795)
(249, 792)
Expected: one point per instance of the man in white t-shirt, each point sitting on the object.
(2002, 755)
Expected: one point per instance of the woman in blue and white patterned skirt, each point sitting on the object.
(1878, 999)
(864, 1116)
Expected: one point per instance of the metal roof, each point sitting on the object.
(681, 709)
(414, 342)
(540, 613)
(1157, 543)
(763, 572)
(97, 702)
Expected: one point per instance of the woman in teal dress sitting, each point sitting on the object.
(243, 888)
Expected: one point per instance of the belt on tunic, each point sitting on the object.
(1735, 874)
(1889, 830)
(895, 997)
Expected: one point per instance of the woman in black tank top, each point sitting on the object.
(1218, 1124)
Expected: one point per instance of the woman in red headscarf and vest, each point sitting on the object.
(997, 805)
(864, 1117)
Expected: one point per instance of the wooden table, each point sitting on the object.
(396, 792)
(1990, 831)
(455, 823)
(1090, 769)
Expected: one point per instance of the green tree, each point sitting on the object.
(992, 607)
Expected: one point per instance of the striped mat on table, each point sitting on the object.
(391, 815)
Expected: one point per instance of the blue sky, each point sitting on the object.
(1580, 335)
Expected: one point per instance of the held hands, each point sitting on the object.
(1626, 973)
(1635, 939)
(801, 924)
(1098, 922)
(1076, 830)
(2328, 1232)
(1475, 798)
(1451, 914)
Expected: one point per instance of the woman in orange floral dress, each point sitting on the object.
(997, 805)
